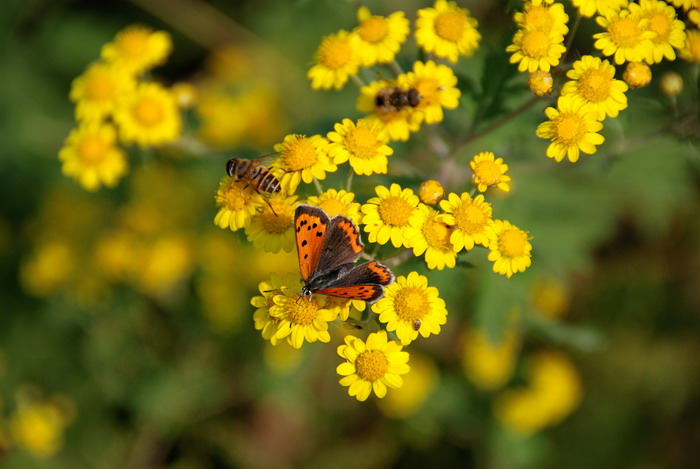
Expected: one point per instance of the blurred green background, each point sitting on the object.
(126, 333)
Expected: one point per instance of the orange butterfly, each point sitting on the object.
(328, 249)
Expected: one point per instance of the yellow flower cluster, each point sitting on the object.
(114, 102)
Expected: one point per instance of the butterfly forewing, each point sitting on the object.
(342, 244)
(311, 226)
(364, 282)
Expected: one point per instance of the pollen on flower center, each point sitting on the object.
(395, 211)
(149, 111)
(373, 29)
(569, 129)
(335, 53)
(661, 26)
(92, 149)
(450, 26)
(535, 43)
(437, 234)
(411, 304)
(624, 32)
(302, 311)
(539, 18)
(99, 87)
(428, 89)
(594, 85)
(235, 197)
(332, 207)
(488, 172)
(362, 142)
(299, 154)
(134, 44)
(276, 224)
(371, 365)
(511, 243)
(470, 218)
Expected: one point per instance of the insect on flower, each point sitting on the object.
(394, 98)
(254, 173)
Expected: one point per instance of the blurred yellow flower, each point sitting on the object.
(691, 50)
(510, 252)
(489, 171)
(96, 91)
(626, 35)
(301, 318)
(337, 58)
(431, 192)
(536, 50)
(90, 156)
(471, 219)
(388, 217)
(593, 80)
(164, 263)
(303, 159)
(49, 268)
(671, 84)
(437, 86)
(149, 116)
(542, 15)
(238, 201)
(670, 31)
(410, 307)
(417, 387)
(138, 48)
(362, 143)
(397, 125)
(589, 8)
(540, 82)
(489, 365)
(37, 426)
(272, 228)
(551, 297)
(380, 37)
(433, 239)
(282, 358)
(447, 31)
(372, 366)
(637, 74)
(337, 202)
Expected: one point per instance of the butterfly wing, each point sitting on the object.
(364, 282)
(311, 225)
(342, 245)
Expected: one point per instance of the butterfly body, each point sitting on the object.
(327, 249)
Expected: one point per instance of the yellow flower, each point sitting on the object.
(390, 216)
(447, 31)
(49, 269)
(264, 320)
(38, 426)
(593, 80)
(164, 264)
(489, 171)
(238, 202)
(91, 157)
(138, 48)
(626, 35)
(364, 144)
(272, 229)
(342, 306)
(589, 8)
(637, 74)
(335, 202)
(510, 252)
(380, 37)
(372, 366)
(301, 317)
(433, 239)
(551, 297)
(536, 50)
(540, 82)
(96, 91)
(694, 15)
(471, 219)
(337, 58)
(431, 192)
(303, 159)
(437, 86)
(691, 50)
(397, 125)
(417, 388)
(149, 116)
(685, 4)
(671, 84)
(489, 365)
(410, 307)
(670, 31)
(543, 15)
(572, 128)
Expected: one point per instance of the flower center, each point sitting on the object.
(236, 196)
(92, 149)
(511, 243)
(301, 310)
(661, 25)
(373, 29)
(488, 172)
(535, 43)
(99, 87)
(471, 218)
(539, 18)
(371, 365)
(395, 211)
(335, 53)
(429, 90)
(362, 143)
(134, 44)
(450, 26)
(299, 154)
(279, 223)
(569, 129)
(437, 234)
(332, 207)
(625, 32)
(149, 111)
(411, 305)
(594, 85)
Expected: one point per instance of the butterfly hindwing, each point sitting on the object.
(342, 245)
(368, 293)
(311, 227)
(364, 282)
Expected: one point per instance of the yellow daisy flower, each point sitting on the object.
(637, 74)
(573, 128)
(342, 306)
(536, 50)
(471, 219)
(149, 116)
(626, 35)
(489, 171)
(337, 58)
(447, 31)
(335, 202)
(685, 4)
(589, 8)
(593, 80)
(433, 239)
(364, 144)
(372, 366)
(540, 82)
(489, 365)
(91, 157)
(694, 15)
(264, 320)
(272, 229)
(238, 201)
(303, 159)
(301, 317)
(380, 37)
(431, 192)
(390, 216)
(437, 86)
(96, 91)
(396, 125)
(138, 48)
(691, 50)
(670, 31)
(410, 307)
(510, 253)
(543, 15)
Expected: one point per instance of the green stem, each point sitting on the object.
(319, 188)
(348, 181)
(358, 81)
(396, 68)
